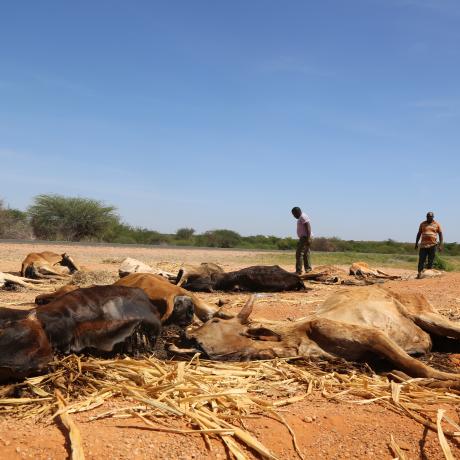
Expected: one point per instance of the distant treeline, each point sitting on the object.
(59, 218)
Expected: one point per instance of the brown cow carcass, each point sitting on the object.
(168, 297)
(48, 297)
(95, 319)
(359, 274)
(47, 265)
(258, 278)
(355, 324)
(362, 270)
(24, 347)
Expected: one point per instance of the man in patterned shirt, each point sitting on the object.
(304, 243)
(429, 231)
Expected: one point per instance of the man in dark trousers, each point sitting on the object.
(429, 230)
(304, 243)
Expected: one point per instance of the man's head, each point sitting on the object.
(430, 217)
(296, 212)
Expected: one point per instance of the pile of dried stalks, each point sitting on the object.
(97, 277)
(213, 398)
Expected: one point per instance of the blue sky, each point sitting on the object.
(213, 114)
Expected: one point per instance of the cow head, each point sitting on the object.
(183, 311)
(199, 283)
(67, 261)
(233, 338)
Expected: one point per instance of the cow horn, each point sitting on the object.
(246, 311)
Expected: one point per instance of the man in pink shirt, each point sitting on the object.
(303, 246)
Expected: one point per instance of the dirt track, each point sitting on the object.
(324, 429)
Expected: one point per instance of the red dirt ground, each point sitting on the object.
(324, 429)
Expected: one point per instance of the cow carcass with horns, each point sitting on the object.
(356, 324)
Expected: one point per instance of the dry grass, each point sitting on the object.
(89, 278)
(213, 398)
(112, 260)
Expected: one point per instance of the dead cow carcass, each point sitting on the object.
(189, 273)
(355, 324)
(130, 265)
(47, 265)
(96, 318)
(168, 297)
(171, 301)
(48, 297)
(362, 270)
(258, 278)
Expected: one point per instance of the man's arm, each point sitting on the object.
(419, 234)
(308, 230)
(441, 241)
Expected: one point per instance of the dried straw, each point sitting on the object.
(212, 398)
(96, 277)
(400, 455)
(74, 432)
(442, 439)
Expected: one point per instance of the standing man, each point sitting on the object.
(304, 243)
(429, 231)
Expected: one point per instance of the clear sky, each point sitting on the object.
(226, 114)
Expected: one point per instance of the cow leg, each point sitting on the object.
(436, 324)
(19, 281)
(354, 342)
(42, 273)
(49, 273)
(181, 278)
(205, 311)
(53, 277)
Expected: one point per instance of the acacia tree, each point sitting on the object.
(222, 238)
(185, 233)
(72, 219)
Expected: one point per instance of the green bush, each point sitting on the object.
(218, 239)
(185, 233)
(442, 264)
(55, 217)
(286, 243)
(123, 233)
(14, 224)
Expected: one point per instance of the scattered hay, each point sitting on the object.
(98, 277)
(453, 315)
(399, 454)
(442, 439)
(74, 433)
(113, 260)
(212, 398)
(333, 269)
(12, 287)
(167, 266)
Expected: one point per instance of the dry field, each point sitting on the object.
(326, 425)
